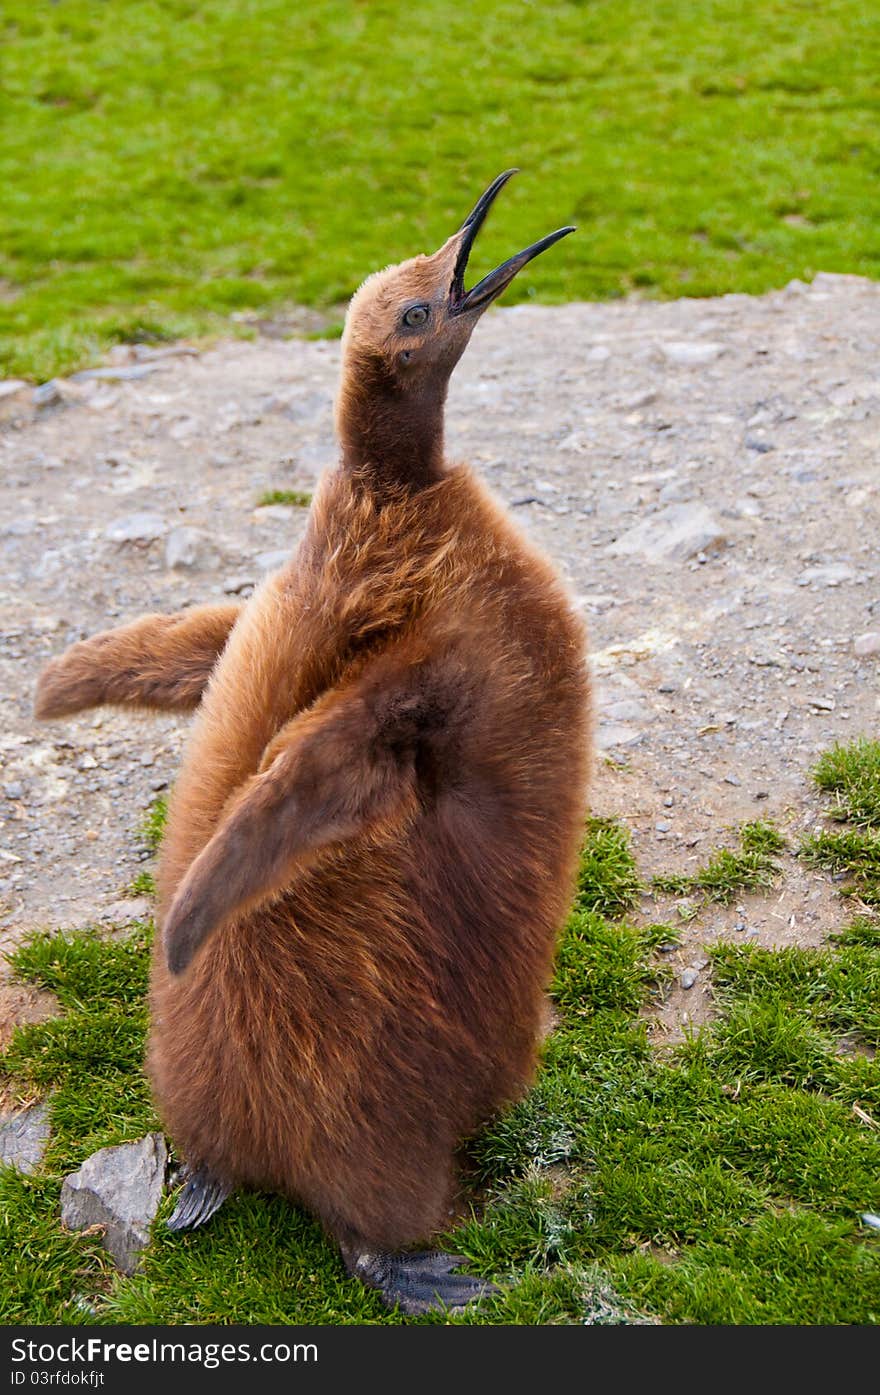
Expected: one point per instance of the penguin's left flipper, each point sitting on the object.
(201, 1195)
(346, 767)
(423, 1282)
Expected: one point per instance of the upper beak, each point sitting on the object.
(498, 280)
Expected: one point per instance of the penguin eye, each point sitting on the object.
(416, 315)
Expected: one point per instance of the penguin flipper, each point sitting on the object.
(159, 661)
(201, 1195)
(344, 767)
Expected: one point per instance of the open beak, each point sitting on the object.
(498, 280)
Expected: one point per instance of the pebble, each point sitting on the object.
(867, 644)
(691, 354)
(675, 534)
(271, 561)
(233, 585)
(10, 386)
(136, 528)
(827, 574)
(183, 547)
(688, 978)
(870, 1218)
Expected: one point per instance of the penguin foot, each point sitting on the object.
(202, 1194)
(422, 1282)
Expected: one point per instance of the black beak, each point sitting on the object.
(498, 280)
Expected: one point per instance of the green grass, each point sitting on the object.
(851, 773)
(152, 825)
(297, 498)
(719, 1182)
(166, 163)
(727, 873)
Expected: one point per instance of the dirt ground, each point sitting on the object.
(705, 474)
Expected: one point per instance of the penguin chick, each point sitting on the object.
(371, 844)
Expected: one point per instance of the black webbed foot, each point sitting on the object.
(421, 1282)
(201, 1195)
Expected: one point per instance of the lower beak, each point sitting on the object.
(498, 280)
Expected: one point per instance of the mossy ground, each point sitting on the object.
(166, 164)
(723, 1181)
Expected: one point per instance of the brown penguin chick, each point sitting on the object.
(371, 845)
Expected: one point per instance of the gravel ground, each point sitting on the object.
(703, 472)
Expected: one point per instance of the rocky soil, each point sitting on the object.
(704, 472)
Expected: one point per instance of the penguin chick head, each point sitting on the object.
(408, 325)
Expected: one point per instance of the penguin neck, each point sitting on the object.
(393, 437)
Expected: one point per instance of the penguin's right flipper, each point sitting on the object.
(201, 1195)
(159, 661)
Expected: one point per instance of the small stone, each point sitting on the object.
(675, 534)
(13, 789)
(676, 492)
(233, 585)
(691, 354)
(688, 978)
(182, 548)
(271, 561)
(828, 574)
(114, 373)
(732, 780)
(23, 1138)
(10, 386)
(761, 447)
(119, 1189)
(136, 528)
(867, 644)
(662, 826)
(870, 1218)
(47, 394)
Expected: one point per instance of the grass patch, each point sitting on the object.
(298, 498)
(852, 774)
(152, 825)
(607, 878)
(143, 884)
(726, 874)
(720, 1183)
(278, 153)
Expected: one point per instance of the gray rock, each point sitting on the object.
(688, 978)
(826, 574)
(23, 1137)
(676, 492)
(136, 528)
(867, 644)
(870, 1218)
(271, 561)
(183, 548)
(47, 394)
(120, 1189)
(233, 585)
(10, 386)
(691, 354)
(675, 534)
(609, 734)
(115, 373)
